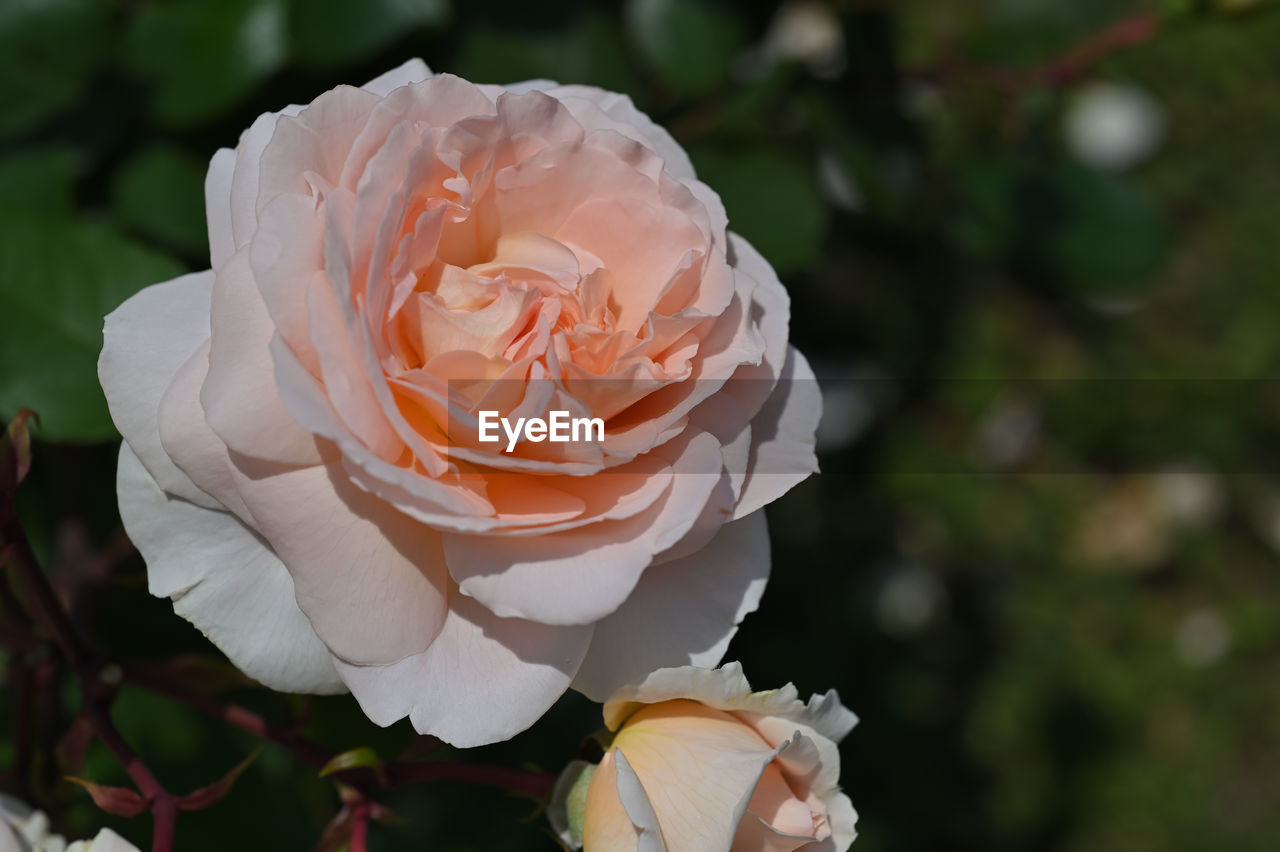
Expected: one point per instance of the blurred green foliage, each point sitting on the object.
(1055, 639)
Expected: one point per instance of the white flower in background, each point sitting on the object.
(1113, 125)
(807, 32)
(24, 829)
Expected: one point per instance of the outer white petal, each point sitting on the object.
(483, 679)
(782, 437)
(224, 580)
(843, 820)
(682, 612)
(726, 688)
(217, 206)
(413, 71)
(145, 342)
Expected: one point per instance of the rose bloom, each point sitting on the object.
(301, 469)
(700, 763)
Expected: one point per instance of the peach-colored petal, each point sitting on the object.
(597, 109)
(681, 746)
(349, 386)
(286, 254)
(605, 825)
(443, 504)
(316, 140)
(776, 821)
(578, 576)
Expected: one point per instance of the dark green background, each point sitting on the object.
(1024, 634)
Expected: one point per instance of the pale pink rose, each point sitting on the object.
(301, 467)
(700, 763)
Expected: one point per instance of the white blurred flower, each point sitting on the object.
(1190, 498)
(1202, 638)
(837, 184)
(1008, 434)
(909, 600)
(24, 829)
(809, 32)
(1113, 125)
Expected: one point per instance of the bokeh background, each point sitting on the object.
(1033, 249)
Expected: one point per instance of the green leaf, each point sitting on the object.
(772, 200)
(204, 58)
(160, 193)
(38, 182)
(49, 50)
(57, 282)
(356, 758)
(333, 33)
(688, 43)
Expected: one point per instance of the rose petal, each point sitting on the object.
(635, 801)
(240, 397)
(226, 582)
(680, 745)
(413, 71)
(782, 437)
(189, 441)
(606, 823)
(578, 576)
(682, 612)
(483, 678)
(597, 109)
(217, 206)
(370, 579)
(145, 341)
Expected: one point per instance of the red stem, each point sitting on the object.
(523, 781)
(48, 611)
(360, 828)
(536, 784)
(1069, 66)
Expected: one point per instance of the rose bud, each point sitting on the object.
(700, 763)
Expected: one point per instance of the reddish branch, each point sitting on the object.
(391, 774)
(163, 805)
(47, 611)
(1076, 62)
